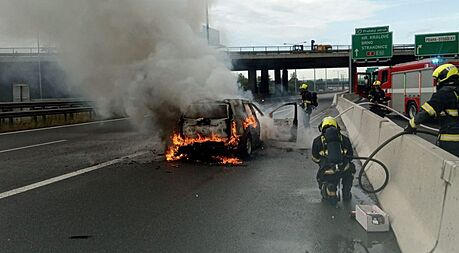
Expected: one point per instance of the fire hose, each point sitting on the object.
(379, 148)
(371, 159)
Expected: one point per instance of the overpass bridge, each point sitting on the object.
(37, 66)
(282, 58)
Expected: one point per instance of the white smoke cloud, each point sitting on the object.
(140, 56)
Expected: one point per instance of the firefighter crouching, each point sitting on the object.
(308, 102)
(332, 151)
(443, 106)
(377, 96)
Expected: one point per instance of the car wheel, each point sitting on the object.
(412, 109)
(246, 147)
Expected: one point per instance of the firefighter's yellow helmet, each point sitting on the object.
(327, 122)
(377, 83)
(444, 72)
(304, 86)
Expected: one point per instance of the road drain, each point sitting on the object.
(80, 237)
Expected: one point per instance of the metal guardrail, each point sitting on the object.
(16, 51)
(33, 109)
(36, 113)
(306, 49)
(285, 49)
(404, 47)
(43, 105)
(27, 50)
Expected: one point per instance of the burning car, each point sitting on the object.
(211, 128)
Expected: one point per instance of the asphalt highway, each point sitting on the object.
(105, 187)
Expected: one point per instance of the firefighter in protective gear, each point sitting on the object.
(443, 106)
(377, 96)
(306, 96)
(308, 102)
(332, 151)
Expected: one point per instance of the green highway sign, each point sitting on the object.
(437, 44)
(372, 46)
(370, 30)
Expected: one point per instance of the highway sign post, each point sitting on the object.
(437, 44)
(372, 45)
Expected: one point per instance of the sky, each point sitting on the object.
(275, 22)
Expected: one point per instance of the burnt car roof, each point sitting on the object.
(222, 100)
(238, 100)
(227, 100)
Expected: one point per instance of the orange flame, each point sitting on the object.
(228, 160)
(177, 141)
(234, 139)
(250, 121)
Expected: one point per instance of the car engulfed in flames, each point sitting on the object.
(227, 131)
(223, 131)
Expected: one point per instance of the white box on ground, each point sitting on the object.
(372, 218)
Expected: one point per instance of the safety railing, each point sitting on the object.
(267, 50)
(289, 49)
(44, 112)
(404, 47)
(31, 109)
(27, 50)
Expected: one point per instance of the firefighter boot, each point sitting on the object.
(346, 180)
(329, 193)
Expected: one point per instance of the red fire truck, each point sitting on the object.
(409, 85)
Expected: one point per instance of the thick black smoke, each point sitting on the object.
(140, 56)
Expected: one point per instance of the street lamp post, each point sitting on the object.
(296, 82)
(39, 67)
(315, 83)
(207, 22)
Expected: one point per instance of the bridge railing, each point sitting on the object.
(305, 49)
(404, 47)
(241, 50)
(288, 49)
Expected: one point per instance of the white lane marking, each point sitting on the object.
(67, 176)
(32, 146)
(57, 127)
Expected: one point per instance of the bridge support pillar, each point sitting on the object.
(277, 81)
(353, 79)
(253, 81)
(285, 81)
(264, 85)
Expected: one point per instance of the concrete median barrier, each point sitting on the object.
(422, 197)
(369, 131)
(448, 239)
